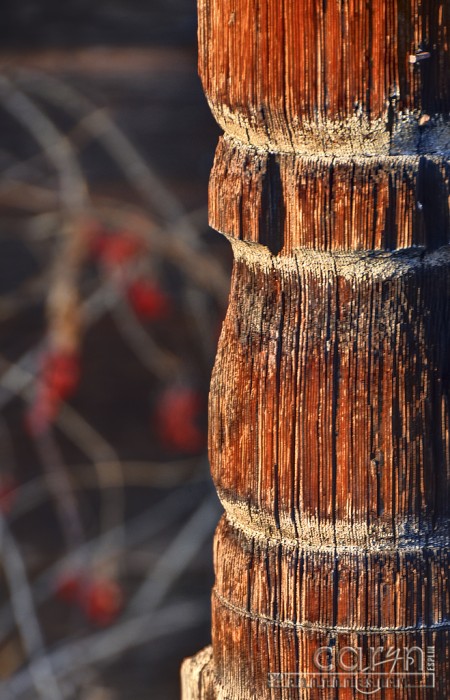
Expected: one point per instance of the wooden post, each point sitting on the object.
(329, 406)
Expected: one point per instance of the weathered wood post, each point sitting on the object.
(329, 406)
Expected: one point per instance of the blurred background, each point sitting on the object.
(113, 290)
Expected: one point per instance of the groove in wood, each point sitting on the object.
(286, 201)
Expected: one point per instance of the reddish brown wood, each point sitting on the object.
(333, 76)
(329, 407)
(396, 202)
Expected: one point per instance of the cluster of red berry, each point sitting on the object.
(177, 420)
(113, 250)
(58, 380)
(146, 298)
(99, 598)
(177, 414)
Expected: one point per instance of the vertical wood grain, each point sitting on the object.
(329, 405)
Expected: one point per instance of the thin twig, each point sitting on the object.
(39, 665)
(136, 170)
(60, 487)
(75, 656)
(177, 557)
(161, 363)
(105, 460)
(98, 122)
(54, 143)
(101, 452)
(138, 530)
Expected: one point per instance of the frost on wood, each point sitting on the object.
(329, 405)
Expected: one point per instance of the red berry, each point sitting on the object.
(176, 419)
(118, 248)
(147, 299)
(102, 601)
(61, 374)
